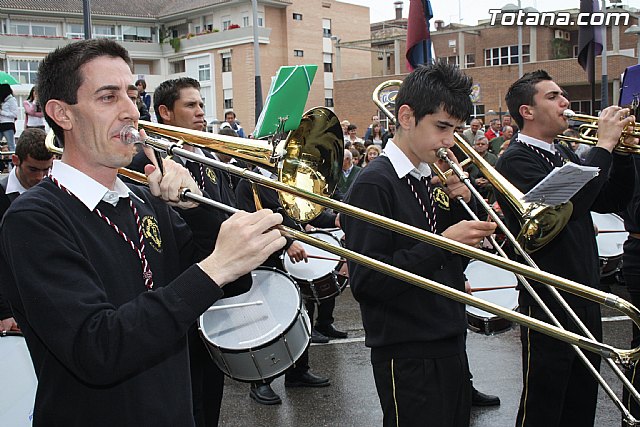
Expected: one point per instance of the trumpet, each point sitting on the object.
(588, 133)
(171, 144)
(513, 195)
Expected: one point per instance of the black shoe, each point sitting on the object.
(264, 394)
(318, 338)
(330, 331)
(305, 380)
(478, 398)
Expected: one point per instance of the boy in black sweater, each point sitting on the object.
(417, 338)
(106, 304)
(558, 390)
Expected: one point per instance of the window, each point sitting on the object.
(75, 31)
(245, 21)
(226, 62)
(228, 98)
(451, 60)
(131, 33)
(478, 112)
(297, 17)
(197, 29)
(505, 55)
(204, 72)
(260, 19)
(584, 106)
(226, 21)
(177, 67)
(299, 53)
(470, 60)
(328, 62)
(326, 28)
(26, 72)
(328, 97)
(104, 31)
(29, 29)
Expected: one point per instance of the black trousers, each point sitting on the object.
(325, 311)
(207, 383)
(557, 389)
(419, 392)
(631, 273)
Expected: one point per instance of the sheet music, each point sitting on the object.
(561, 184)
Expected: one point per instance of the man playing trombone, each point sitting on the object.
(558, 390)
(417, 338)
(106, 303)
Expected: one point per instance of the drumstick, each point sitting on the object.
(611, 231)
(242, 304)
(495, 288)
(324, 258)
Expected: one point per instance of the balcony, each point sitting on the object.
(216, 40)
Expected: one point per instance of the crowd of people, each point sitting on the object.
(110, 305)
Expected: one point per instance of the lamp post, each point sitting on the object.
(635, 29)
(338, 68)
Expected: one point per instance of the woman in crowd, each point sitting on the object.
(8, 115)
(370, 154)
(33, 111)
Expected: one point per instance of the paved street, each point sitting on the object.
(351, 399)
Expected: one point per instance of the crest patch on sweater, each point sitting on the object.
(441, 198)
(211, 175)
(151, 233)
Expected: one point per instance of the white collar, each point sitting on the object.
(537, 143)
(89, 191)
(402, 165)
(13, 183)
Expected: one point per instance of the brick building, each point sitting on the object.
(489, 54)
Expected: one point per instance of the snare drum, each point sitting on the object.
(318, 278)
(610, 242)
(483, 275)
(19, 381)
(259, 334)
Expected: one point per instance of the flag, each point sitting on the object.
(418, 37)
(589, 40)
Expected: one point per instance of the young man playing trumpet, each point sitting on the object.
(557, 388)
(417, 338)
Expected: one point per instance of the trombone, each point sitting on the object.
(171, 144)
(528, 240)
(588, 133)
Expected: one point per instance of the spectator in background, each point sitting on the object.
(349, 173)
(141, 85)
(495, 145)
(581, 150)
(8, 115)
(370, 154)
(345, 124)
(374, 120)
(388, 134)
(506, 121)
(134, 96)
(474, 131)
(375, 136)
(230, 117)
(33, 111)
(477, 178)
(352, 138)
(494, 130)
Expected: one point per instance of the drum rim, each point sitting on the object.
(285, 260)
(286, 330)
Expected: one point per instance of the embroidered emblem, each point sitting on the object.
(211, 175)
(151, 233)
(441, 198)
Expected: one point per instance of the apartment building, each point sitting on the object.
(209, 40)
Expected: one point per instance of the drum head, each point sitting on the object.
(315, 268)
(609, 244)
(483, 275)
(277, 303)
(19, 382)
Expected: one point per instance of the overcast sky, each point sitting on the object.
(471, 10)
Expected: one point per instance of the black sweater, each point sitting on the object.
(105, 350)
(402, 320)
(573, 253)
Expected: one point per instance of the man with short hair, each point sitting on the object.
(474, 131)
(120, 276)
(134, 95)
(32, 162)
(349, 174)
(230, 117)
(495, 145)
(558, 390)
(494, 130)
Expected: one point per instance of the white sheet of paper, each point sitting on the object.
(561, 184)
